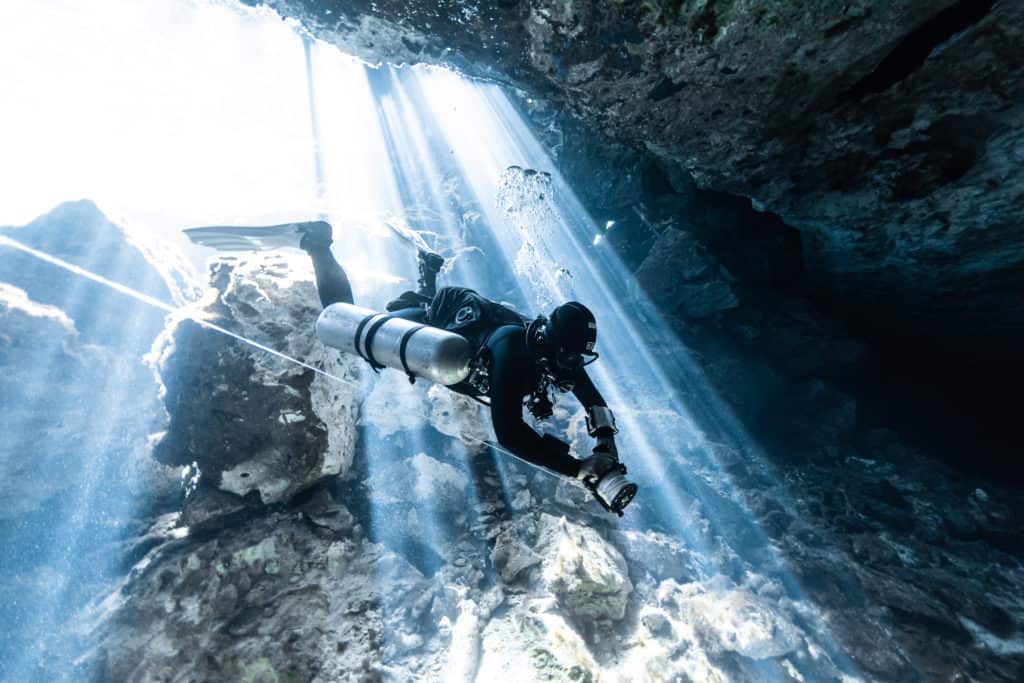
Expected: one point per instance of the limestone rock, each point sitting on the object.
(511, 556)
(656, 553)
(39, 348)
(78, 404)
(587, 574)
(253, 421)
(79, 233)
(735, 619)
(464, 656)
(270, 600)
(529, 645)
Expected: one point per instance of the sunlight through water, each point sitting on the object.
(173, 114)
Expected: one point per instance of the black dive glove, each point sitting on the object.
(601, 426)
(606, 446)
(408, 299)
(605, 456)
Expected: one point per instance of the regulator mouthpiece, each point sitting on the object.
(613, 491)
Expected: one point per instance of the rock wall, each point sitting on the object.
(40, 349)
(77, 403)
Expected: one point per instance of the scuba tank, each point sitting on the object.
(384, 340)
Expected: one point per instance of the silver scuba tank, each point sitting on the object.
(385, 341)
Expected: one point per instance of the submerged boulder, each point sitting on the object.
(285, 597)
(250, 395)
(586, 573)
(729, 618)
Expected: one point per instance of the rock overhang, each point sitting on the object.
(889, 135)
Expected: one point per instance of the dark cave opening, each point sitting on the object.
(952, 396)
(947, 392)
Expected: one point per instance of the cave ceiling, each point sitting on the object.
(890, 134)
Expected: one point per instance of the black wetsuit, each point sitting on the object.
(514, 374)
(496, 330)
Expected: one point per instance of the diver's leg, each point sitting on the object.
(331, 281)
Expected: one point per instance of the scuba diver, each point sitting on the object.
(514, 360)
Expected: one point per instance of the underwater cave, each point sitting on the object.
(796, 231)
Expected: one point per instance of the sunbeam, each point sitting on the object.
(558, 230)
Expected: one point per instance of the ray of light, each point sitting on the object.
(487, 136)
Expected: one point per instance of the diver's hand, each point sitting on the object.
(595, 467)
(408, 299)
(606, 446)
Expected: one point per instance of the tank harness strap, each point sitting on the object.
(371, 332)
(368, 341)
(401, 352)
(359, 331)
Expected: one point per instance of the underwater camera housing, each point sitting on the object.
(612, 490)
